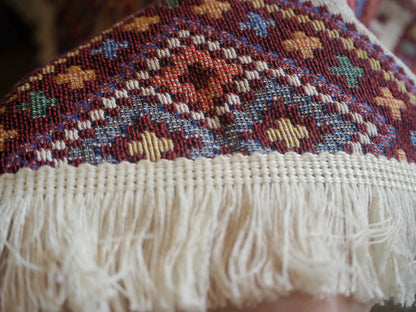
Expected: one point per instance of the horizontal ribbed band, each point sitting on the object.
(217, 172)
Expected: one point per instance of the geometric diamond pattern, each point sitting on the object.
(249, 78)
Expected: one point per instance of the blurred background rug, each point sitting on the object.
(393, 22)
(33, 32)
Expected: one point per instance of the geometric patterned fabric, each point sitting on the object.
(202, 78)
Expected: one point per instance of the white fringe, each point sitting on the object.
(192, 235)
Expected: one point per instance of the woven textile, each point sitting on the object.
(240, 149)
(265, 82)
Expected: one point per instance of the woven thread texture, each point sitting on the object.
(206, 79)
(207, 153)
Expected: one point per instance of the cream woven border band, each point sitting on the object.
(220, 171)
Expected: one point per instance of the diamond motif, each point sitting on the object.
(39, 104)
(110, 48)
(258, 24)
(142, 23)
(388, 100)
(213, 8)
(151, 146)
(303, 43)
(346, 69)
(4, 135)
(75, 77)
(197, 76)
(287, 132)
